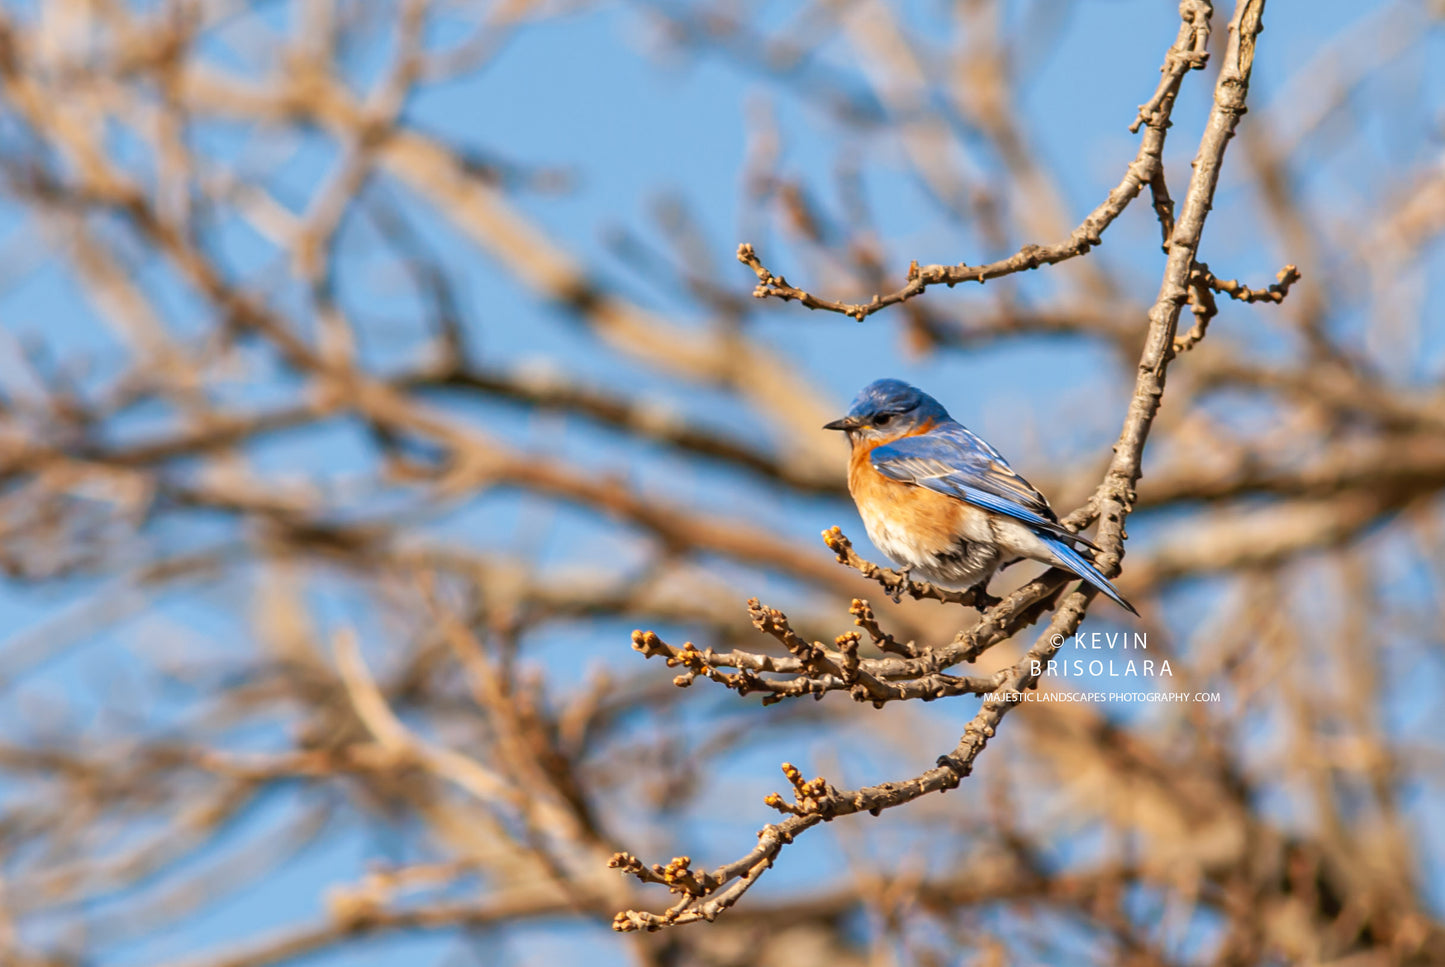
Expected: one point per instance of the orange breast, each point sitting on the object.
(927, 520)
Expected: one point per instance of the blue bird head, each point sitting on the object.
(887, 409)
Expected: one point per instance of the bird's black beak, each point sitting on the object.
(846, 423)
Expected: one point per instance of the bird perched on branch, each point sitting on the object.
(944, 504)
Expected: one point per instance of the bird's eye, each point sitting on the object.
(882, 419)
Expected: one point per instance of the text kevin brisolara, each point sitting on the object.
(1134, 666)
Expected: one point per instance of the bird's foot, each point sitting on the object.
(904, 581)
(981, 598)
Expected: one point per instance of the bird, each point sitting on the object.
(944, 504)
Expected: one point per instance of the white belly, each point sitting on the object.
(984, 541)
(970, 559)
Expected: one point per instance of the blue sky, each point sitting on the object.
(598, 96)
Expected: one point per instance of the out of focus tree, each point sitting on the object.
(339, 461)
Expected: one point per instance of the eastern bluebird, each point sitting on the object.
(941, 502)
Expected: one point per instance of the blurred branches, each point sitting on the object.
(332, 467)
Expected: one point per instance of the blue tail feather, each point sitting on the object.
(1076, 562)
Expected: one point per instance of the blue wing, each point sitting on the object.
(952, 461)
